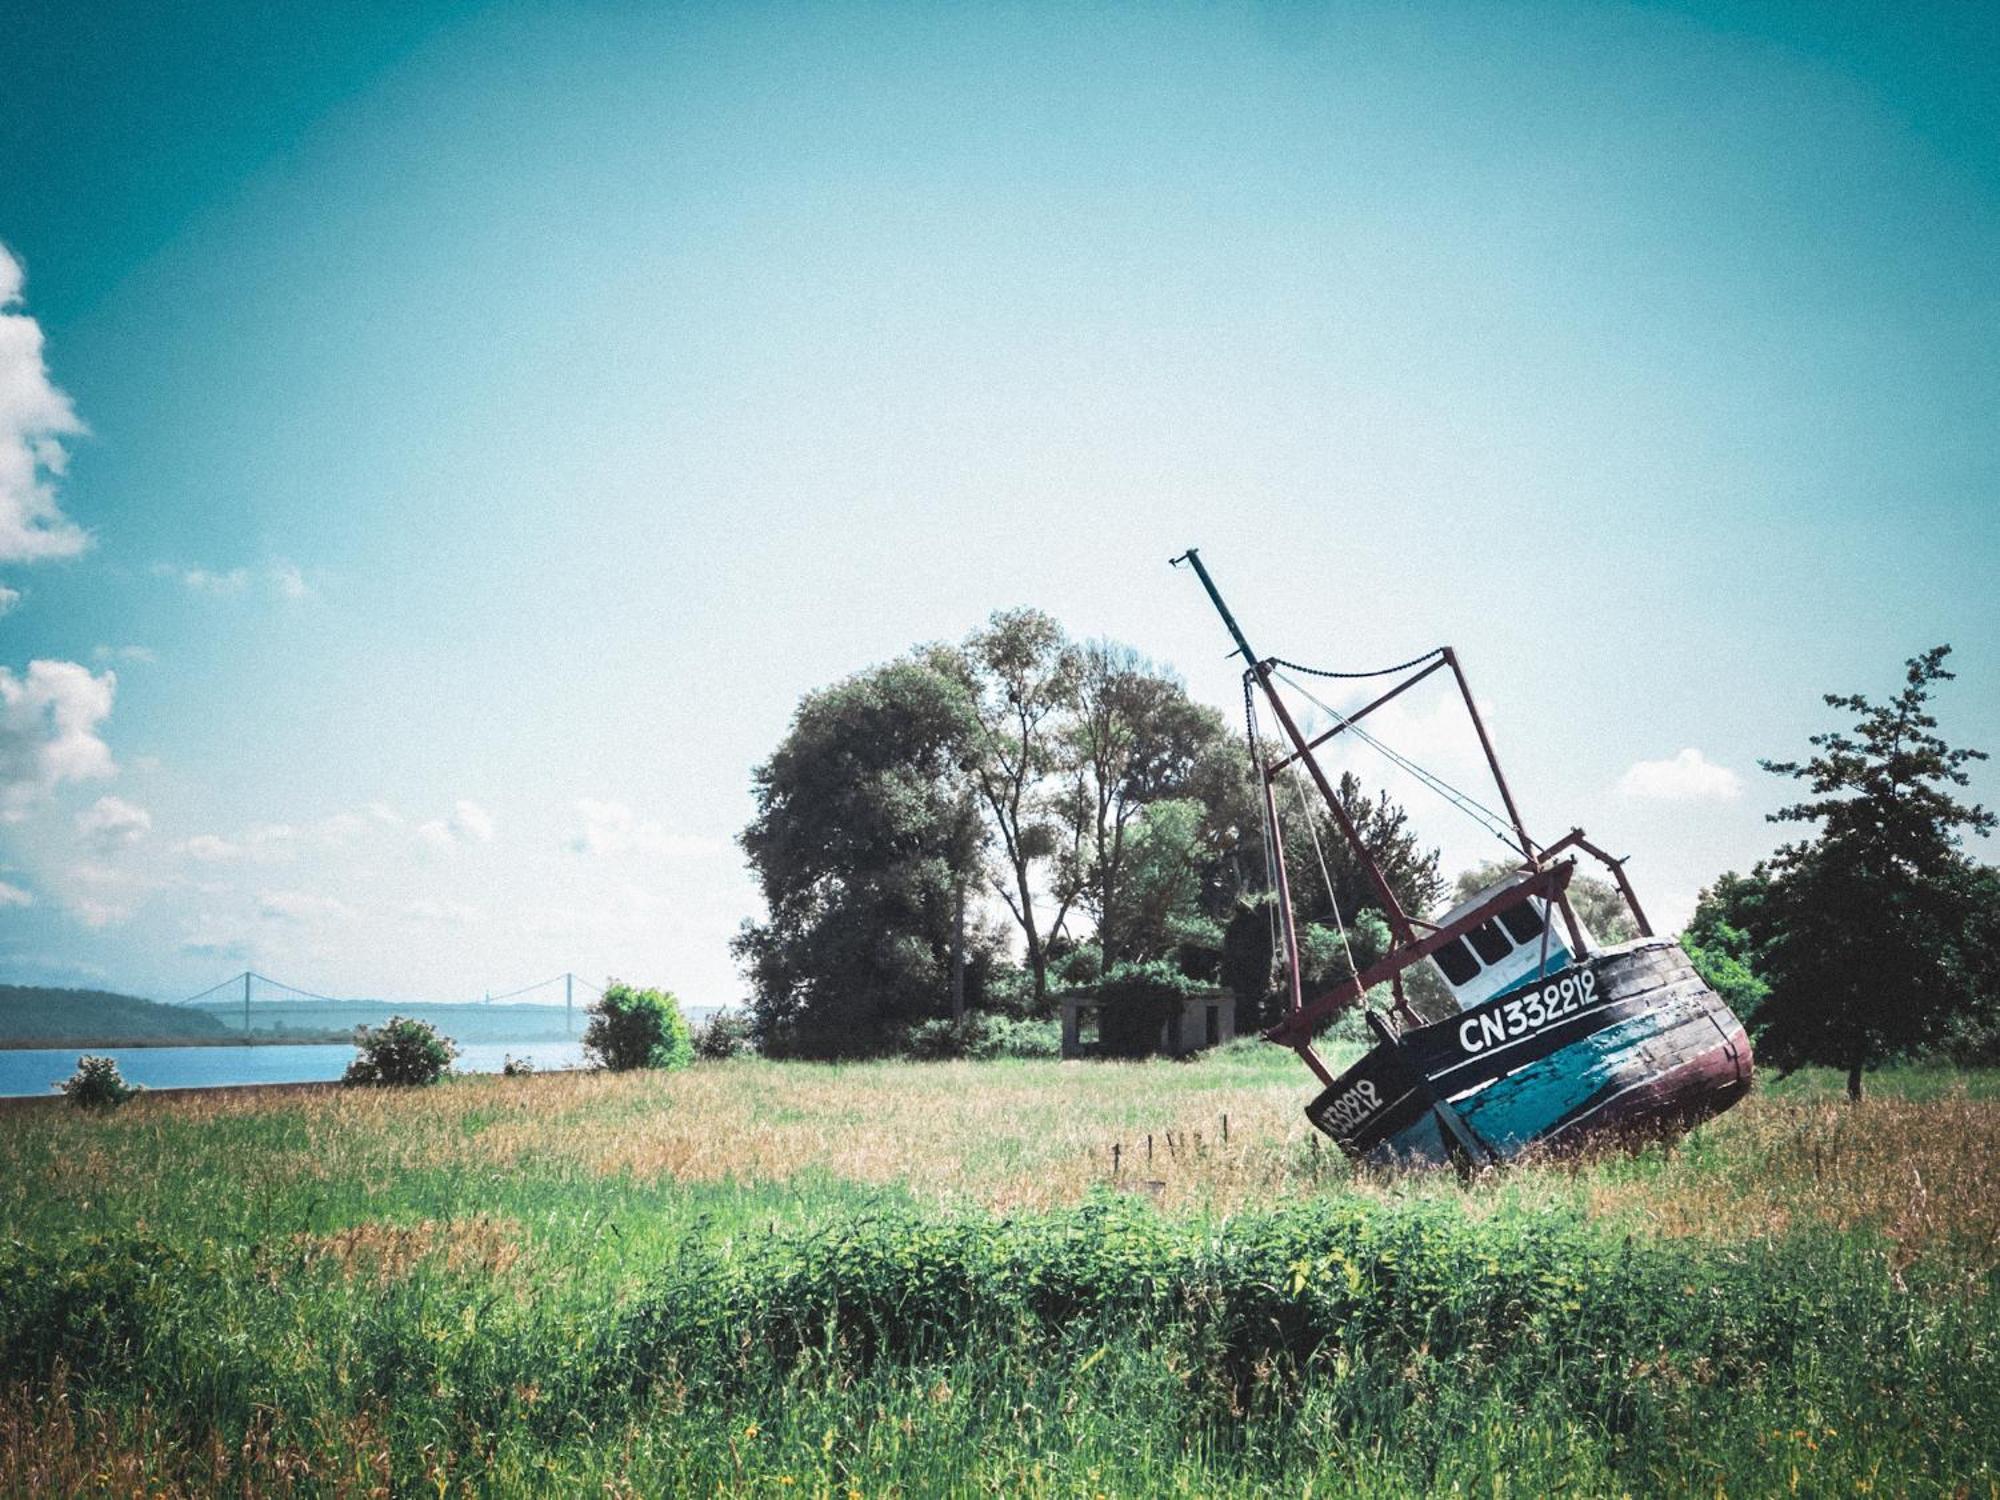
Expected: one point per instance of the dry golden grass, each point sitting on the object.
(1924, 1172)
(387, 1252)
(53, 1443)
(1020, 1136)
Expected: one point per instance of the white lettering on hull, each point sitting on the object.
(1528, 1013)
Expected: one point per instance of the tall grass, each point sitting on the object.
(890, 1279)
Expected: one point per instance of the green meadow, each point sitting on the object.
(900, 1279)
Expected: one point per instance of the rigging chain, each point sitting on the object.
(1415, 661)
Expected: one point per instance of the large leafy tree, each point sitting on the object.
(1147, 770)
(867, 831)
(1018, 677)
(1867, 921)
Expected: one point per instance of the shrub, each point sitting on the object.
(724, 1035)
(402, 1050)
(517, 1067)
(97, 1084)
(981, 1038)
(1134, 1001)
(633, 1028)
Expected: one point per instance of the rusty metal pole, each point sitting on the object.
(1399, 921)
(1293, 981)
(1507, 798)
(1492, 760)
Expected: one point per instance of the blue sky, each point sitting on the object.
(438, 446)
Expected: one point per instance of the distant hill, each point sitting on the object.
(35, 1016)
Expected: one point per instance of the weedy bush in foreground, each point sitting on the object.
(1405, 1341)
(635, 1028)
(97, 1084)
(402, 1050)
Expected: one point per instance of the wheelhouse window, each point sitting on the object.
(1489, 942)
(1523, 923)
(1459, 966)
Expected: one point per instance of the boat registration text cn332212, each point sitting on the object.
(1353, 1108)
(1530, 1011)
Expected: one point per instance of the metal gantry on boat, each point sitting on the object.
(1554, 1036)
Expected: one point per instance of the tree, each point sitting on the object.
(1866, 922)
(1331, 888)
(402, 1050)
(1018, 677)
(97, 1084)
(724, 1035)
(1597, 903)
(1719, 940)
(1410, 870)
(866, 830)
(634, 1028)
(1136, 741)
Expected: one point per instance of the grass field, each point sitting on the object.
(899, 1279)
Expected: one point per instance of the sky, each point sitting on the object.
(439, 445)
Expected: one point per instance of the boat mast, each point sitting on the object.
(1260, 668)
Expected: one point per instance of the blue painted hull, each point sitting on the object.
(1628, 1039)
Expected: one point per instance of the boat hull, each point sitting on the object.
(1628, 1040)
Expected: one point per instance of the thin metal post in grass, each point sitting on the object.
(1115, 1148)
(1149, 1148)
(1225, 1130)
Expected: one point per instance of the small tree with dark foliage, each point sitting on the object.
(724, 1035)
(97, 1084)
(634, 1028)
(401, 1051)
(1866, 922)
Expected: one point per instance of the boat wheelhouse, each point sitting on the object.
(1554, 1037)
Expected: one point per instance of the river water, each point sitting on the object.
(37, 1070)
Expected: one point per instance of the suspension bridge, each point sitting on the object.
(265, 993)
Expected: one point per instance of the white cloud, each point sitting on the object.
(302, 907)
(471, 821)
(13, 895)
(1687, 777)
(98, 914)
(263, 843)
(289, 582)
(613, 828)
(284, 580)
(112, 823)
(8, 598)
(208, 581)
(102, 654)
(468, 823)
(48, 728)
(35, 417)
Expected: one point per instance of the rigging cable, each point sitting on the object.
(1474, 809)
(1332, 897)
(1265, 805)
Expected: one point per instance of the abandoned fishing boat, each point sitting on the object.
(1552, 1036)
